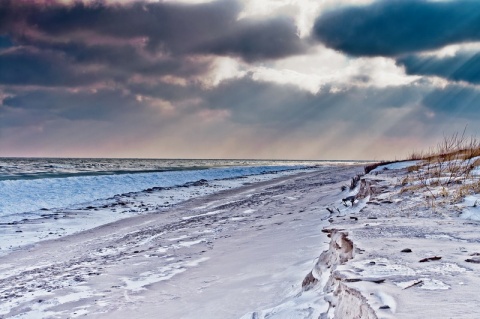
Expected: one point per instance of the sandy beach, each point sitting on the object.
(219, 256)
(283, 248)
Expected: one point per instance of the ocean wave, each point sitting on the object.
(30, 195)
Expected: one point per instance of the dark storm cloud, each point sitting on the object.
(5, 42)
(461, 67)
(257, 40)
(171, 27)
(27, 67)
(99, 105)
(168, 28)
(123, 61)
(390, 28)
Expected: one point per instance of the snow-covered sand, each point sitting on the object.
(219, 256)
(269, 249)
(397, 254)
(23, 228)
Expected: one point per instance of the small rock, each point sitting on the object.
(473, 260)
(377, 281)
(406, 250)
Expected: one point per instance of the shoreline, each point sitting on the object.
(31, 228)
(100, 272)
(281, 248)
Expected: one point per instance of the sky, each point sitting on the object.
(269, 79)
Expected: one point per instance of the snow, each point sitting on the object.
(219, 263)
(471, 209)
(244, 253)
(26, 229)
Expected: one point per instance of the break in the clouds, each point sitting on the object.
(338, 79)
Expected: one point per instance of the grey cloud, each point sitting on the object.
(30, 67)
(5, 42)
(461, 67)
(167, 91)
(391, 28)
(271, 111)
(126, 60)
(101, 105)
(285, 106)
(169, 28)
(258, 40)
(67, 64)
(454, 101)
(252, 103)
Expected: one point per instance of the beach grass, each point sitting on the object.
(447, 171)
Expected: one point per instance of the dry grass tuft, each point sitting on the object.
(444, 168)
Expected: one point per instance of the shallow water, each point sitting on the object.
(27, 185)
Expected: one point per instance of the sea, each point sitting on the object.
(45, 197)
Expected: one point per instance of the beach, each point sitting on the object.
(286, 247)
(218, 256)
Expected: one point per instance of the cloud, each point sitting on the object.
(391, 28)
(99, 105)
(464, 66)
(257, 40)
(285, 107)
(241, 117)
(164, 79)
(249, 102)
(123, 61)
(30, 67)
(454, 101)
(168, 28)
(5, 42)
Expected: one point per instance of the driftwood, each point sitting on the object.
(430, 259)
(414, 284)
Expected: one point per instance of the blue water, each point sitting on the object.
(29, 185)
